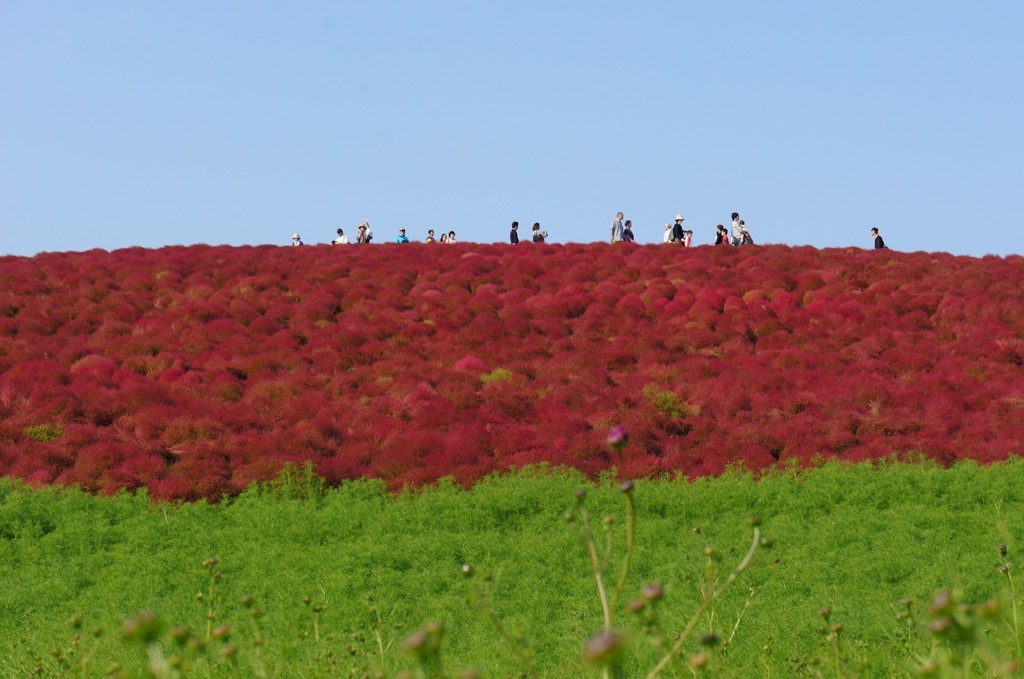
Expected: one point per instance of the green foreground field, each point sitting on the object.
(376, 567)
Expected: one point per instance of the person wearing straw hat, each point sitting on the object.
(297, 239)
(677, 230)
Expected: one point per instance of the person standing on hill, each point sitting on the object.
(342, 239)
(538, 235)
(737, 229)
(677, 230)
(616, 229)
(627, 232)
(402, 238)
(513, 235)
(667, 238)
(430, 236)
(879, 243)
(297, 240)
(721, 235)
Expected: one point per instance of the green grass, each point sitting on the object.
(855, 539)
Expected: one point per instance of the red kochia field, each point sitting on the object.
(195, 371)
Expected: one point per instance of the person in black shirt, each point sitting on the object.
(879, 243)
(677, 230)
(513, 236)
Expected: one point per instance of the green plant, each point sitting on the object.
(44, 432)
(668, 404)
(496, 375)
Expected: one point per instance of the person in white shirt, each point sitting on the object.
(297, 239)
(342, 239)
(737, 229)
(667, 238)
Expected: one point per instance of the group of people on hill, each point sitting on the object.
(621, 231)
(539, 235)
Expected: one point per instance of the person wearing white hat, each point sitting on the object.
(677, 230)
(297, 239)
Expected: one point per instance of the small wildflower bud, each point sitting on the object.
(696, 530)
(636, 606)
(229, 651)
(221, 632)
(653, 592)
(1002, 550)
(699, 660)
(825, 612)
(1005, 568)
(710, 639)
(990, 609)
(415, 641)
(144, 627)
(256, 612)
(604, 649)
(96, 631)
(618, 437)
(626, 487)
(836, 629)
(754, 521)
(943, 602)
(941, 626)
(75, 622)
(306, 600)
(568, 517)
(580, 494)
(608, 520)
(766, 543)
(906, 603)
(180, 634)
(466, 570)
(199, 596)
(317, 608)
(247, 600)
(929, 668)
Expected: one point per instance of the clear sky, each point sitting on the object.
(152, 123)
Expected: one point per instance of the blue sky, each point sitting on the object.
(157, 123)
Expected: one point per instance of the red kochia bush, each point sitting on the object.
(194, 371)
